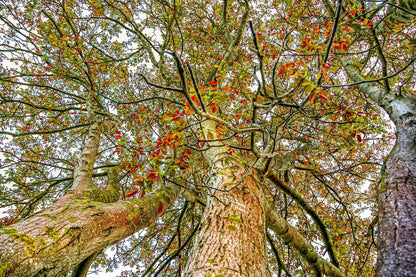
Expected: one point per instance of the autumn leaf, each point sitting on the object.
(132, 192)
(323, 95)
(160, 209)
(312, 97)
(139, 183)
(142, 193)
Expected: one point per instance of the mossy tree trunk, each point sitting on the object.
(60, 238)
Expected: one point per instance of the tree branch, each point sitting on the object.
(272, 176)
(292, 237)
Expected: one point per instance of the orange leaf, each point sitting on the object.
(160, 209)
(142, 193)
(312, 97)
(232, 96)
(226, 89)
(323, 96)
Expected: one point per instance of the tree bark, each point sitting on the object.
(292, 237)
(232, 240)
(397, 202)
(60, 238)
(397, 192)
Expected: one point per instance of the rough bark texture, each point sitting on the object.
(57, 240)
(397, 193)
(397, 204)
(232, 240)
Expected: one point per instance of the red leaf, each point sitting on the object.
(212, 105)
(132, 192)
(151, 176)
(138, 183)
(359, 138)
(160, 209)
(117, 132)
(201, 143)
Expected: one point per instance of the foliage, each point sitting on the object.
(265, 71)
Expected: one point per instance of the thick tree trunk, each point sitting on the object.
(397, 202)
(57, 240)
(397, 193)
(232, 240)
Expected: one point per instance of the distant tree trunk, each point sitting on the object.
(232, 240)
(397, 192)
(397, 197)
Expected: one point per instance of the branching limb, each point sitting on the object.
(292, 237)
(298, 198)
(230, 52)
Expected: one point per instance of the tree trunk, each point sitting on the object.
(397, 200)
(60, 238)
(232, 240)
(397, 193)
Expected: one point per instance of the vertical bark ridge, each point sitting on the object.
(232, 240)
(397, 205)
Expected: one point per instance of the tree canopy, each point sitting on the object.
(142, 117)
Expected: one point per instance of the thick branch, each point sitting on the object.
(60, 238)
(292, 237)
(405, 12)
(293, 194)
